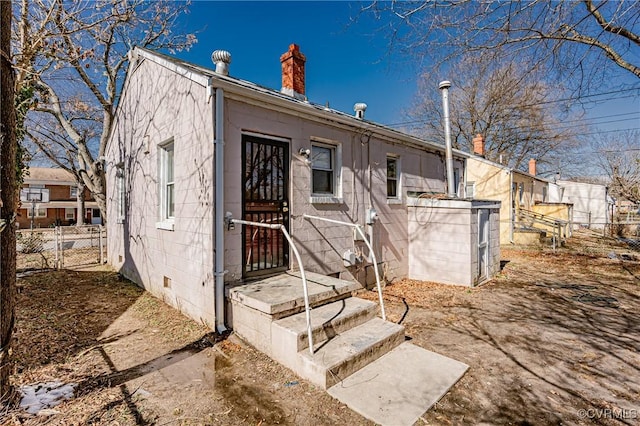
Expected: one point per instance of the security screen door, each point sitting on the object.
(265, 164)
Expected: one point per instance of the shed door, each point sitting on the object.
(483, 244)
(265, 199)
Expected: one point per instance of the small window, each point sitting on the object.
(36, 185)
(393, 177)
(456, 181)
(166, 179)
(69, 214)
(323, 166)
(73, 192)
(470, 190)
(521, 193)
(39, 212)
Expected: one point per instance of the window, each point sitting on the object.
(470, 190)
(167, 188)
(69, 214)
(326, 169)
(323, 166)
(521, 193)
(36, 185)
(456, 181)
(73, 192)
(39, 211)
(120, 190)
(393, 177)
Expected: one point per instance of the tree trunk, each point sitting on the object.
(80, 205)
(8, 198)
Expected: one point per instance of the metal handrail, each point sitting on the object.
(302, 273)
(369, 246)
(548, 221)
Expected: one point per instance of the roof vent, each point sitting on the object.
(222, 59)
(360, 108)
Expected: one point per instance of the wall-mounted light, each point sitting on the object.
(305, 152)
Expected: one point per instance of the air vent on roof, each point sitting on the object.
(222, 59)
(360, 108)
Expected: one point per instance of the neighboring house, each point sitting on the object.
(591, 203)
(519, 192)
(49, 198)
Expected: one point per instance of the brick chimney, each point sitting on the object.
(293, 72)
(478, 145)
(532, 167)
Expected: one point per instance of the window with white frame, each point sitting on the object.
(323, 169)
(456, 181)
(470, 190)
(69, 214)
(393, 177)
(521, 193)
(120, 191)
(73, 192)
(166, 179)
(39, 212)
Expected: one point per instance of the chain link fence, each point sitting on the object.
(602, 244)
(61, 247)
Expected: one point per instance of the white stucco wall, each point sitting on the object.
(322, 244)
(159, 105)
(589, 202)
(443, 241)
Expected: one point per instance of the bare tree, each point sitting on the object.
(583, 41)
(8, 198)
(617, 156)
(511, 105)
(74, 56)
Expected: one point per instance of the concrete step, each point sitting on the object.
(289, 335)
(282, 295)
(338, 358)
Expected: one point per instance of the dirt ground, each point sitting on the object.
(554, 339)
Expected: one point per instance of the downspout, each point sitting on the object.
(512, 208)
(218, 111)
(221, 59)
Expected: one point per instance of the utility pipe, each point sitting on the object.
(219, 216)
(444, 86)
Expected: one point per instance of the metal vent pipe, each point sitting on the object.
(444, 86)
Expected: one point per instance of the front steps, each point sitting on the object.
(347, 334)
(359, 359)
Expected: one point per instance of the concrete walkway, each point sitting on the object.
(399, 387)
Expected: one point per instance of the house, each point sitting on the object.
(591, 203)
(49, 198)
(192, 147)
(532, 206)
(256, 209)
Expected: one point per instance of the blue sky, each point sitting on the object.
(347, 62)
